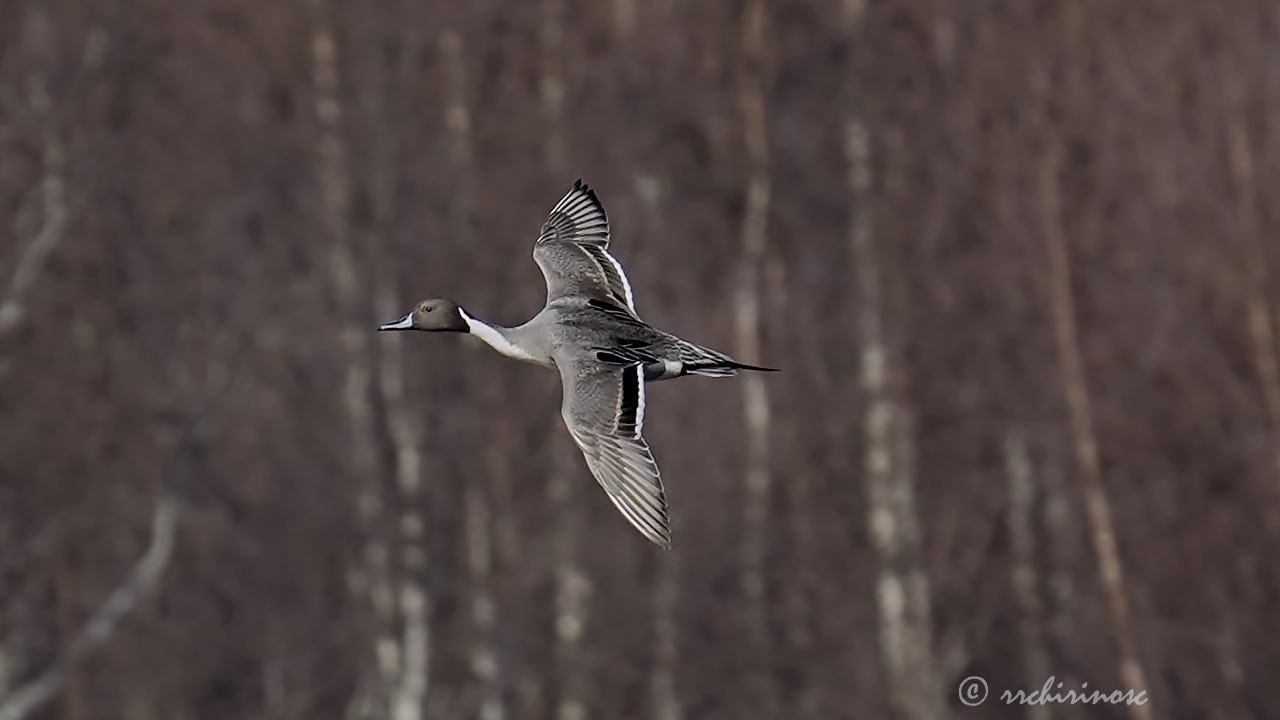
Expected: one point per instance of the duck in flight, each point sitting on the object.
(590, 332)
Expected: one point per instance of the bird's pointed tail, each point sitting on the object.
(722, 368)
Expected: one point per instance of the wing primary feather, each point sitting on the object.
(578, 217)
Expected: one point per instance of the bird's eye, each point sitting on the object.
(429, 308)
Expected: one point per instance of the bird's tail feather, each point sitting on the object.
(723, 368)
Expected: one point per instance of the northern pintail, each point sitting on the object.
(589, 330)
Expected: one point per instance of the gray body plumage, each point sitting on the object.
(590, 332)
(581, 327)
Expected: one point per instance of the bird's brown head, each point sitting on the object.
(436, 314)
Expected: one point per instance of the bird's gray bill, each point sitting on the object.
(403, 323)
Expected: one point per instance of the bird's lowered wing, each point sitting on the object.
(603, 408)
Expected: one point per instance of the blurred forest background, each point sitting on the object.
(1015, 259)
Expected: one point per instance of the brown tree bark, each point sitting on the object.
(1097, 507)
(1071, 365)
(1264, 336)
(1259, 317)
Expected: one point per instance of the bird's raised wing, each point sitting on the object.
(572, 250)
(603, 408)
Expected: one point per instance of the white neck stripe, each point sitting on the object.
(493, 337)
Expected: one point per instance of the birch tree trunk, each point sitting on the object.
(755, 400)
(31, 696)
(375, 697)
(1059, 528)
(1232, 672)
(478, 522)
(411, 597)
(902, 587)
(1025, 577)
(54, 214)
(1066, 333)
(572, 587)
(10, 662)
(408, 695)
(801, 586)
(663, 690)
(662, 681)
(64, 590)
(53, 219)
(624, 19)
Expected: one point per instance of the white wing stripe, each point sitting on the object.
(639, 371)
(626, 284)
